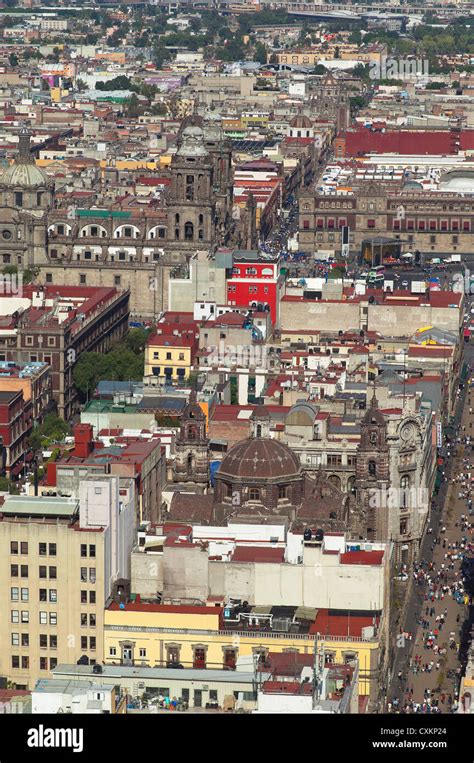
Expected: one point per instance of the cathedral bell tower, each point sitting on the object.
(372, 477)
(192, 447)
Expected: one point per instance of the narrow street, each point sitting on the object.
(425, 673)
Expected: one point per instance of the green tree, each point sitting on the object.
(260, 54)
(13, 60)
(53, 429)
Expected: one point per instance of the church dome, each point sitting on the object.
(23, 176)
(260, 457)
(24, 173)
(301, 121)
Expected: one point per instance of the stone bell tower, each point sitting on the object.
(372, 478)
(192, 447)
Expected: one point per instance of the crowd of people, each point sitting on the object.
(441, 587)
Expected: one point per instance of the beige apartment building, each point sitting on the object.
(57, 570)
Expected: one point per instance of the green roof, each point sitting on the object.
(103, 213)
(108, 406)
(38, 506)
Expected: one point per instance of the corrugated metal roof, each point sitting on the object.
(38, 506)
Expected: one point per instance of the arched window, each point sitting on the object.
(259, 430)
(201, 219)
(176, 219)
(188, 231)
(372, 468)
(404, 490)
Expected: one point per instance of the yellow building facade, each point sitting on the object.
(155, 635)
(168, 358)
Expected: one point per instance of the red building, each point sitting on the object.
(256, 281)
(16, 422)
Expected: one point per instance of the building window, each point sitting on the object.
(230, 659)
(112, 651)
(14, 547)
(83, 549)
(92, 575)
(53, 618)
(92, 551)
(18, 199)
(42, 571)
(82, 279)
(25, 616)
(282, 492)
(53, 663)
(83, 597)
(43, 618)
(42, 549)
(23, 548)
(91, 597)
(15, 661)
(15, 639)
(142, 652)
(43, 594)
(14, 594)
(83, 574)
(49, 278)
(83, 620)
(53, 572)
(14, 570)
(43, 663)
(25, 594)
(25, 639)
(254, 494)
(172, 654)
(117, 280)
(188, 231)
(53, 595)
(84, 643)
(199, 658)
(43, 641)
(52, 549)
(15, 616)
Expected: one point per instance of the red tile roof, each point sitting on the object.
(257, 554)
(348, 624)
(362, 557)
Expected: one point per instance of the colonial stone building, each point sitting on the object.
(432, 222)
(126, 245)
(26, 196)
(382, 460)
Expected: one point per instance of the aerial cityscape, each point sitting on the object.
(236, 311)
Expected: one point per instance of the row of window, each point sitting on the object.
(24, 617)
(24, 640)
(84, 546)
(252, 289)
(92, 597)
(156, 356)
(24, 662)
(22, 571)
(92, 576)
(433, 225)
(24, 593)
(88, 620)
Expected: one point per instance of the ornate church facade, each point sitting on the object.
(127, 246)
